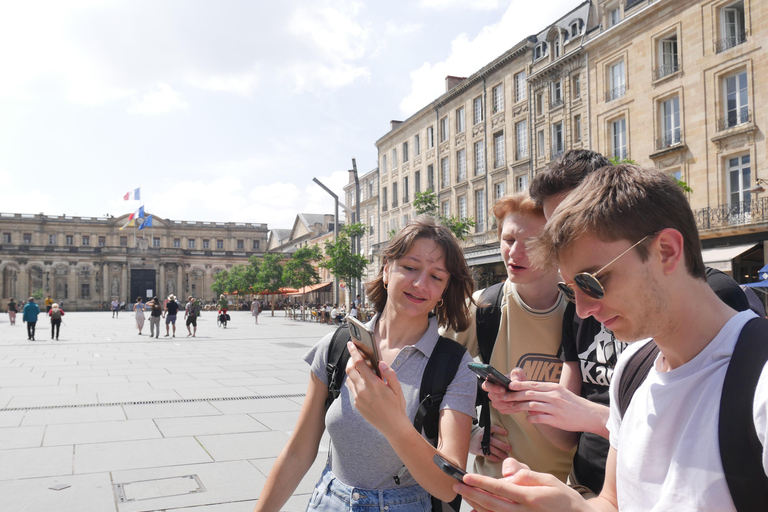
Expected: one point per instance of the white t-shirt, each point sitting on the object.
(668, 455)
(334, 312)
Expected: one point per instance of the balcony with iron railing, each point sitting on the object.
(557, 151)
(669, 139)
(557, 102)
(521, 152)
(735, 214)
(729, 42)
(616, 92)
(742, 116)
(666, 69)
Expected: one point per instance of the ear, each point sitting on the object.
(670, 244)
(385, 273)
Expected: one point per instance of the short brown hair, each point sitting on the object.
(454, 311)
(565, 173)
(625, 202)
(519, 203)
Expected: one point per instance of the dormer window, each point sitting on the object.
(576, 27)
(540, 51)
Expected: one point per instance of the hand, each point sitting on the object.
(520, 489)
(499, 448)
(372, 395)
(502, 399)
(552, 404)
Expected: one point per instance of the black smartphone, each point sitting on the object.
(491, 374)
(363, 339)
(448, 468)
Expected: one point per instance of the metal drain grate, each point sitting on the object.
(153, 402)
(158, 488)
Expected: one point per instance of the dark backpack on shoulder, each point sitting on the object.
(740, 448)
(438, 374)
(487, 322)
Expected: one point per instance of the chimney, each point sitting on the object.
(453, 81)
(394, 124)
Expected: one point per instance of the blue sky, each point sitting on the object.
(226, 110)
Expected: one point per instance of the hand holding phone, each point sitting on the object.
(491, 374)
(363, 339)
(448, 468)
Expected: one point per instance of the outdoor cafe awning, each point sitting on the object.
(282, 291)
(721, 258)
(313, 288)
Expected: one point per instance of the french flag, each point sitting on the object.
(136, 195)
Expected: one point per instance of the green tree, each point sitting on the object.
(683, 185)
(269, 277)
(219, 285)
(299, 271)
(342, 262)
(425, 203)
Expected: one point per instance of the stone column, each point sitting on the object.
(207, 282)
(105, 282)
(124, 282)
(23, 282)
(74, 293)
(162, 293)
(181, 292)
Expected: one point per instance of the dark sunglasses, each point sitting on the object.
(589, 283)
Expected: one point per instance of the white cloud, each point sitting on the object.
(159, 101)
(521, 19)
(243, 83)
(406, 29)
(479, 5)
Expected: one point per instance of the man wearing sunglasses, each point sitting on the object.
(589, 349)
(628, 248)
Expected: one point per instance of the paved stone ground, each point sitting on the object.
(105, 411)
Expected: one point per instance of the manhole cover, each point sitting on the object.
(158, 488)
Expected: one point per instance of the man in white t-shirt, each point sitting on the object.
(629, 255)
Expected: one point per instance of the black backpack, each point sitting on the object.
(438, 374)
(487, 321)
(740, 448)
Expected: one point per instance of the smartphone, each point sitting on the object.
(448, 468)
(491, 374)
(363, 339)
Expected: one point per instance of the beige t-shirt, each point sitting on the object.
(529, 339)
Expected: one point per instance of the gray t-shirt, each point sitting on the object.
(361, 456)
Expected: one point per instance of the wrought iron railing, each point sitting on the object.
(521, 152)
(557, 151)
(742, 116)
(730, 41)
(616, 92)
(669, 139)
(620, 153)
(667, 69)
(555, 103)
(736, 214)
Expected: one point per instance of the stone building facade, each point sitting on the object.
(87, 261)
(677, 85)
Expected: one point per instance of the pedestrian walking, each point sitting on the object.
(48, 304)
(55, 313)
(156, 311)
(171, 310)
(255, 310)
(115, 308)
(139, 310)
(190, 313)
(12, 310)
(29, 315)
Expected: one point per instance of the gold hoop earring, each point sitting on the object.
(385, 285)
(440, 302)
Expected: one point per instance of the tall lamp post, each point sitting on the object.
(335, 234)
(357, 214)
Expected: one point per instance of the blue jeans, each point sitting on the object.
(331, 495)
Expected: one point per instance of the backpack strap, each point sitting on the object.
(634, 374)
(338, 355)
(487, 322)
(740, 449)
(488, 319)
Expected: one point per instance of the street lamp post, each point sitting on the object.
(335, 234)
(357, 215)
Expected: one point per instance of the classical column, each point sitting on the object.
(181, 291)
(124, 282)
(73, 292)
(106, 283)
(23, 287)
(207, 282)
(162, 292)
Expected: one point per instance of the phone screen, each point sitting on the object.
(491, 374)
(363, 339)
